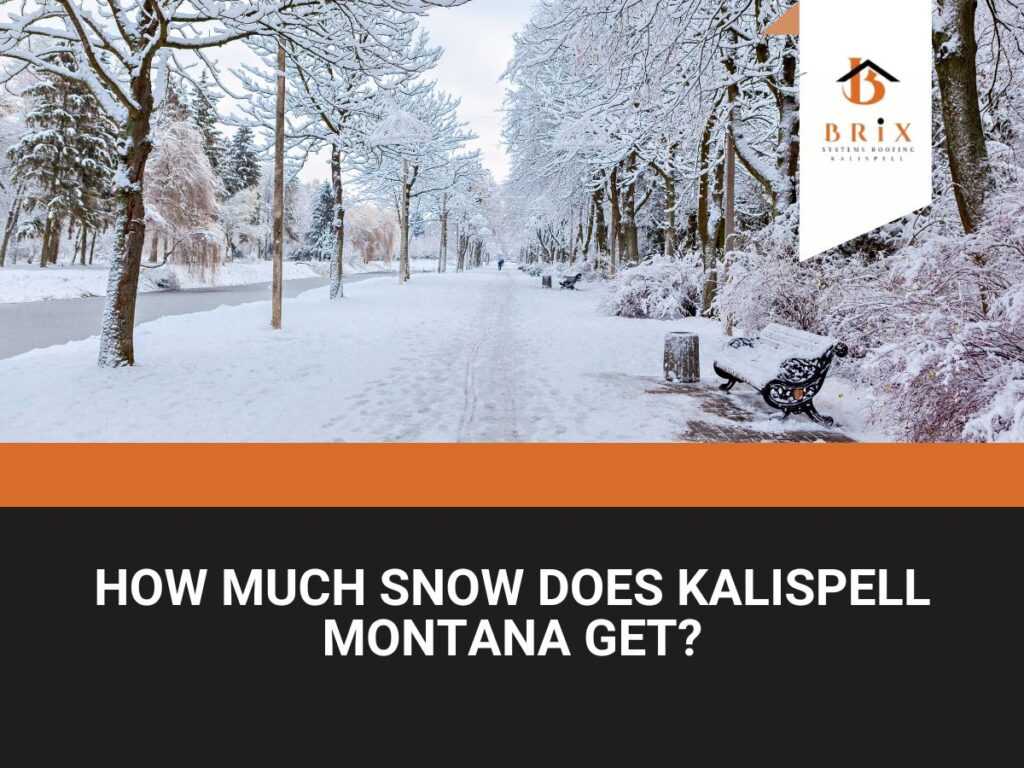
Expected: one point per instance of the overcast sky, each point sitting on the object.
(477, 38)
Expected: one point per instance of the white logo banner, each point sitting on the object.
(865, 117)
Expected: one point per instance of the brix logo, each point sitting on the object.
(865, 85)
(861, 73)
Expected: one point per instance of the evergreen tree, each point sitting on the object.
(417, 225)
(319, 241)
(292, 192)
(241, 165)
(175, 106)
(65, 161)
(204, 115)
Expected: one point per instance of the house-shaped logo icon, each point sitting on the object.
(861, 72)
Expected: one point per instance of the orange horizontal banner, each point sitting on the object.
(511, 475)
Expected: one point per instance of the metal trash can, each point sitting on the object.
(682, 358)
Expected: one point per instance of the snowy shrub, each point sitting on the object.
(1003, 421)
(952, 316)
(371, 232)
(936, 326)
(659, 288)
(771, 285)
(166, 279)
(237, 217)
(589, 268)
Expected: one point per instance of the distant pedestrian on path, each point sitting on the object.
(501, 264)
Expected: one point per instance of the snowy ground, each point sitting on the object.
(27, 282)
(483, 356)
(360, 267)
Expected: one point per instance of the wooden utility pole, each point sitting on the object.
(275, 319)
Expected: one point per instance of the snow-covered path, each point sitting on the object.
(457, 377)
(483, 356)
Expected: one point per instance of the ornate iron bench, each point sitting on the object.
(787, 366)
(570, 282)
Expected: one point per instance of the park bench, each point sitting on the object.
(569, 283)
(786, 365)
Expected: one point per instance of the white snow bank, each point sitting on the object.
(482, 356)
(30, 283)
(240, 273)
(358, 267)
(27, 282)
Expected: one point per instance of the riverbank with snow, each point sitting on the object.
(27, 282)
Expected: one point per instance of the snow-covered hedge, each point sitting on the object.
(1003, 418)
(936, 326)
(952, 311)
(659, 288)
(768, 284)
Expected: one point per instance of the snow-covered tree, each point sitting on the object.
(371, 232)
(182, 195)
(624, 117)
(12, 127)
(319, 242)
(204, 114)
(408, 154)
(64, 163)
(124, 51)
(241, 163)
(238, 217)
(333, 104)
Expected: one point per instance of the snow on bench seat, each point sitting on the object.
(759, 361)
(787, 366)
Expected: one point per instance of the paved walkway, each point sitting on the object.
(745, 413)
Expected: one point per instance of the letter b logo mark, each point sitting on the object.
(863, 85)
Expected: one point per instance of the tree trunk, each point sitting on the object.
(788, 160)
(590, 231)
(92, 247)
(956, 50)
(730, 197)
(84, 246)
(404, 272)
(600, 226)
(670, 208)
(442, 260)
(44, 250)
(630, 234)
(715, 235)
(12, 224)
(670, 216)
(278, 290)
(613, 192)
(704, 196)
(58, 232)
(729, 224)
(338, 226)
(154, 248)
(116, 337)
(461, 262)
